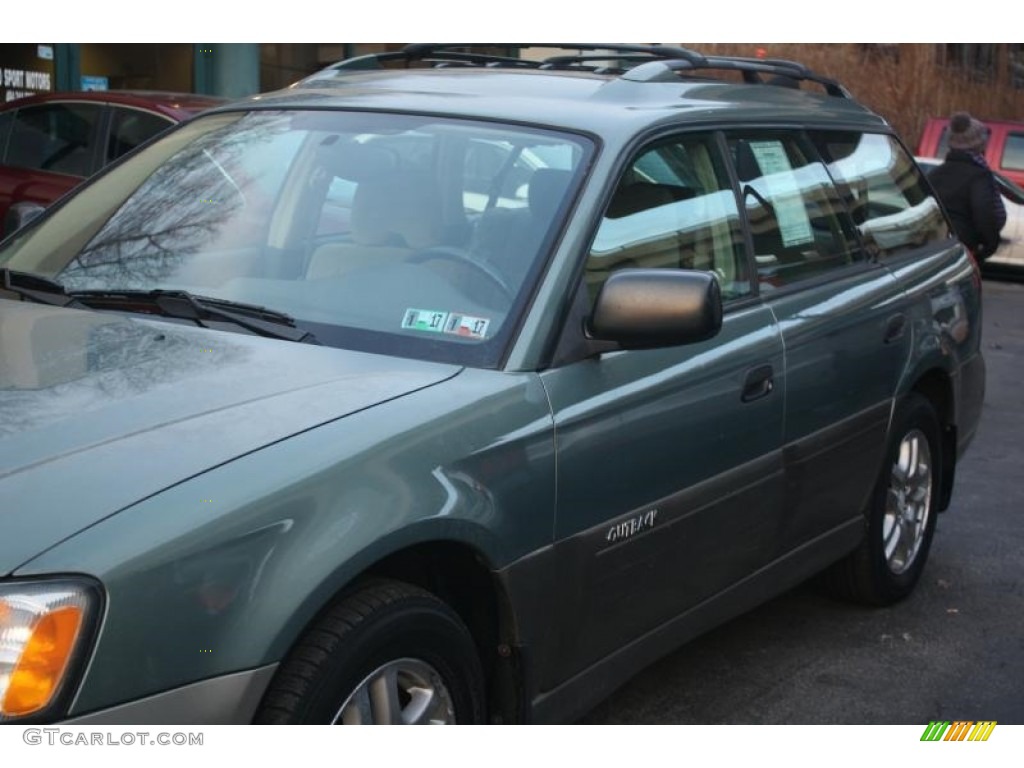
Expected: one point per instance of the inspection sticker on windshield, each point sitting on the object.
(467, 326)
(455, 323)
(425, 320)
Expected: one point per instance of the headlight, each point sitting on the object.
(45, 628)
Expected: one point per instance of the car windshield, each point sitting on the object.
(408, 235)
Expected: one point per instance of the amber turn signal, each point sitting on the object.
(41, 626)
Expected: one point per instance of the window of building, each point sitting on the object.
(137, 66)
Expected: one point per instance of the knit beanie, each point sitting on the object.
(967, 133)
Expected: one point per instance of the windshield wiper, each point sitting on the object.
(201, 310)
(177, 304)
(36, 288)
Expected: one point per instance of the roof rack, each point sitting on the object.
(640, 63)
(783, 72)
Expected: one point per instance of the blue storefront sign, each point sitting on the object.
(95, 83)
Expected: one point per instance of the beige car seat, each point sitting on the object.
(394, 214)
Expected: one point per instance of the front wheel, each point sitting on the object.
(387, 654)
(901, 519)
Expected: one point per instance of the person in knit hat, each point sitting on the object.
(967, 188)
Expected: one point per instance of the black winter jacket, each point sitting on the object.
(969, 195)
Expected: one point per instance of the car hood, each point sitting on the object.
(98, 411)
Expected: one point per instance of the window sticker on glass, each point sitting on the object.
(467, 326)
(771, 157)
(784, 191)
(425, 320)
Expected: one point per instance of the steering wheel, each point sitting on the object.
(445, 253)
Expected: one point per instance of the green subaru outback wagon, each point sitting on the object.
(449, 387)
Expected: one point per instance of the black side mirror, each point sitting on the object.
(645, 308)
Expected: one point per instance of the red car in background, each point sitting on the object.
(50, 142)
(1005, 152)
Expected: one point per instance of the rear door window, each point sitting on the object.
(798, 225)
(130, 128)
(55, 137)
(884, 190)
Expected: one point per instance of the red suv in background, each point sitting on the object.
(1005, 152)
(50, 142)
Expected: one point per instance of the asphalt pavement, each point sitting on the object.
(954, 650)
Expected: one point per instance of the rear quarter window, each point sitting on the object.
(884, 190)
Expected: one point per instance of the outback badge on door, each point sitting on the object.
(631, 527)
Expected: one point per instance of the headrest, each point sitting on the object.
(354, 161)
(401, 208)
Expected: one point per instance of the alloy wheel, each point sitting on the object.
(908, 502)
(401, 692)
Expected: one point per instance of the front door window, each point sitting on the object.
(673, 209)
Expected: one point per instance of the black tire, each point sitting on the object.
(423, 656)
(883, 570)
